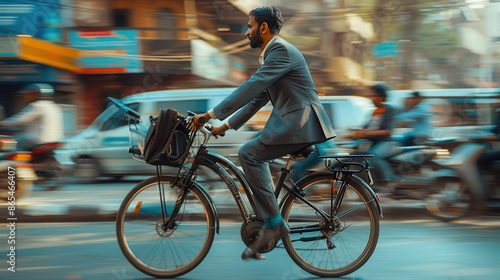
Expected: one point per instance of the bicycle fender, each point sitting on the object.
(358, 179)
(212, 205)
(372, 192)
(216, 164)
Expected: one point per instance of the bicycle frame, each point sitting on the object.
(306, 218)
(225, 169)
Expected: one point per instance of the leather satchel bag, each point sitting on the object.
(167, 140)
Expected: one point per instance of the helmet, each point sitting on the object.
(43, 91)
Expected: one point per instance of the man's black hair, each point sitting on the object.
(380, 90)
(270, 15)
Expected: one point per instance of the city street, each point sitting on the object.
(69, 234)
(98, 96)
(419, 249)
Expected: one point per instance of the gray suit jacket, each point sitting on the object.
(285, 80)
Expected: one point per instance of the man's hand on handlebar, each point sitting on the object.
(200, 119)
(218, 131)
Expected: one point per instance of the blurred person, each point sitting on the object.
(41, 121)
(302, 167)
(297, 120)
(420, 119)
(379, 131)
(491, 155)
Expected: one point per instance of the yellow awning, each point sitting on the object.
(40, 51)
(43, 52)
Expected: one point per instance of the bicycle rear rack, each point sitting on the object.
(346, 163)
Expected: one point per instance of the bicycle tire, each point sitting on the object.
(154, 251)
(353, 236)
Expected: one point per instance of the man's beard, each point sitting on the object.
(256, 41)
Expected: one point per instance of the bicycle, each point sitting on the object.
(166, 224)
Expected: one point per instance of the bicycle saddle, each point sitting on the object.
(304, 152)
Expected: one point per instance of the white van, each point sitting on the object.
(459, 113)
(102, 148)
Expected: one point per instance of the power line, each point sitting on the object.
(311, 17)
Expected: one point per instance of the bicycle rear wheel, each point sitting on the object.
(164, 252)
(337, 247)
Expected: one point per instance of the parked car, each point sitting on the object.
(101, 149)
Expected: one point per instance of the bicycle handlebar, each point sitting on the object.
(205, 127)
(129, 112)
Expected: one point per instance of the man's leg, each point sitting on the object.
(381, 152)
(254, 159)
(24, 142)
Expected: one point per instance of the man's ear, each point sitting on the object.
(264, 27)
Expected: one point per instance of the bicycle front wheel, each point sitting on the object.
(337, 245)
(154, 249)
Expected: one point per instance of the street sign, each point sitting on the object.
(386, 49)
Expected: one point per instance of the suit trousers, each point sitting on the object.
(254, 158)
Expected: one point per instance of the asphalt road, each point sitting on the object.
(413, 249)
(69, 234)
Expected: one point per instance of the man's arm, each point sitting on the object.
(384, 130)
(276, 65)
(370, 133)
(249, 110)
(27, 115)
(413, 114)
(240, 117)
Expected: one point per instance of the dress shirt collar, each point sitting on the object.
(261, 56)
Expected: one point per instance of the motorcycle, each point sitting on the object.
(49, 172)
(422, 175)
(478, 188)
(18, 175)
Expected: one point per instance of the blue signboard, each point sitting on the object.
(107, 49)
(35, 18)
(385, 49)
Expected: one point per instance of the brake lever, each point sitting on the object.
(209, 127)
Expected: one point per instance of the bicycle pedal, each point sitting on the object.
(249, 254)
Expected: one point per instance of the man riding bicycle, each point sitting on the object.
(297, 120)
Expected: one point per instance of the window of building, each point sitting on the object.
(166, 24)
(121, 17)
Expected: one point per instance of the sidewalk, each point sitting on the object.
(101, 200)
(80, 205)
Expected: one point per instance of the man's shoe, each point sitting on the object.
(265, 241)
(249, 254)
(268, 237)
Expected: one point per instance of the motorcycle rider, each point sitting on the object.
(378, 131)
(420, 117)
(490, 156)
(41, 120)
